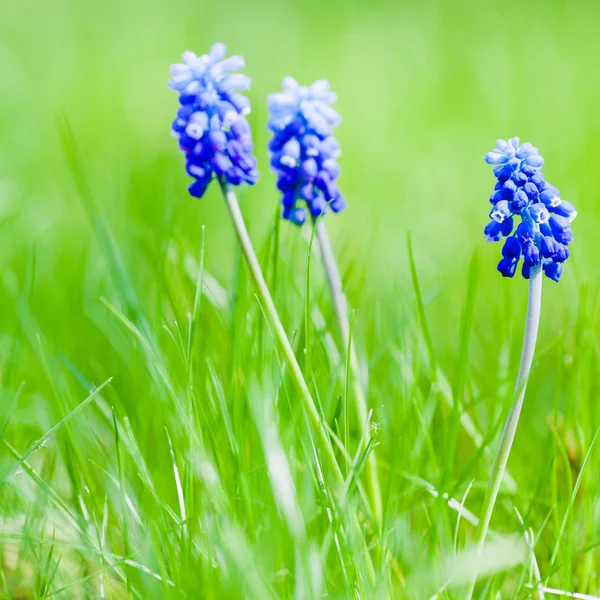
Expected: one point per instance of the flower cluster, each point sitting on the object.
(210, 124)
(303, 149)
(544, 232)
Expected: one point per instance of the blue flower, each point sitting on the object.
(544, 232)
(210, 125)
(303, 149)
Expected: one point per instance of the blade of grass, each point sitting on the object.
(52, 431)
(571, 503)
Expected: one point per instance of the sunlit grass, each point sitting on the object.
(193, 472)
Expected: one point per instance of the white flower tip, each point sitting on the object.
(289, 83)
(320, 85)
(189, 57)
(194, 130)
(217, 51)
(288, 161)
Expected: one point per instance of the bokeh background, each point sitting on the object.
(424, 89)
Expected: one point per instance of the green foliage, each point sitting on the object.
(193, 472)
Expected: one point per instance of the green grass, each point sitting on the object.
(151, 442)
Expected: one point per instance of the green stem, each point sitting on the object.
(279, 333)
(510, 427)
(341, 312)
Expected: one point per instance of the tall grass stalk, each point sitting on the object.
(508, 435)
(279, 333)
(360, 401)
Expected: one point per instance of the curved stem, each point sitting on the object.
(341, 312)
(510, 427)
(279, 332)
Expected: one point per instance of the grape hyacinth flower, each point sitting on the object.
(303, 149)
(214, 135)
(542, 236)
(211, 125)
(541, 239)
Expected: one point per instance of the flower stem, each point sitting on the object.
(508, 435)
(279, 333)
(341, 313)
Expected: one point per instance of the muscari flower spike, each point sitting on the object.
(303, 149)
(210, 125)
(542, 236)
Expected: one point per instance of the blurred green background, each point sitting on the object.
(424, 89)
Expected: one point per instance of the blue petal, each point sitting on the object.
(531, 190)
(309, 169)
(492, 231)
(535, 160)
(198, 188)
(526, 150)
(508, 266)
(495, 158)
(525, 234)
(511, 248)
(338, 205)
(230, 65)
(520, 178)
(237, 81)
(539, 213)
(549, 247)
(531, 256)
(519, 202)
(507, 227)
(553, 270)
(508, 189)
(558, 223)
(562, 253)
(550, 196)
(565, 209)
(502, 146)
(538, 180)
(292, 148)
(318, 206)
(217, 52)
(298, 216)
(217, 140)
(500, 212)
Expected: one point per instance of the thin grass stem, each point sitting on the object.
(279, 333)
(360, 401)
